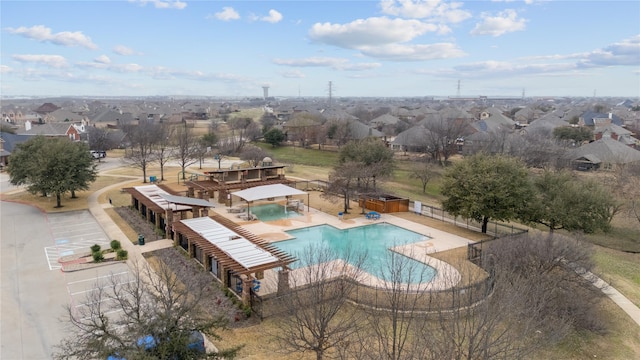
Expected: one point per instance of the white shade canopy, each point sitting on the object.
(267, 191)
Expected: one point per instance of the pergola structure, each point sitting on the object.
(158, 204)
(232, 254)
(224, 181)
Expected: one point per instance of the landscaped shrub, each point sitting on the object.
(247, 310)
(122, 254)
(115, 245)
(97, 256)
(95, 248)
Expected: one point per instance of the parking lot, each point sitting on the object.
(33, 297)
(88, 287)
(73, 233)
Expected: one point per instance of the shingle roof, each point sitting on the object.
(607, 150)
(49, 129)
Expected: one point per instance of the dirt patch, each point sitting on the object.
(215, 302)
(139, 224)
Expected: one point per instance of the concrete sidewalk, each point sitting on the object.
(115, 233)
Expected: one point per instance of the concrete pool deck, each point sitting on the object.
(435, 241)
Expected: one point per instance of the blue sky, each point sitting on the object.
(364, 48)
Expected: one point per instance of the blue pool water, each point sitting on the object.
(375, 240)
(271, 212)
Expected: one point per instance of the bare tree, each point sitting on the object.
(624, 181)
(534, 298)
(99, 139)
(343, 183)
(143, 138)
(318, 317)
(253, 155)
(423, 172)
(240, 130)
(146, 303)
(442, 134)
(163, 151)
(538, 149)
(187, 147)
(392, 325)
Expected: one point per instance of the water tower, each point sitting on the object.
(265, 91)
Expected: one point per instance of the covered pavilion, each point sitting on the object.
(268, 192)
(158, 205)
(232, 254)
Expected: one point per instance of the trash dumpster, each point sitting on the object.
(140, 239)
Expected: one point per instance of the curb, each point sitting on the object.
(86, 266)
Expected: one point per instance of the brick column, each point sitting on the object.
(206, 261)
(156, 220)
(168, 219)
(283, 281)
(247, 283)
(223, 275)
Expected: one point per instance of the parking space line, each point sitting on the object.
(97, 278)
(99, 288)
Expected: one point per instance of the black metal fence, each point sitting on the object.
(494, 228)
(419, 302)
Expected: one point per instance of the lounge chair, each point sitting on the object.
(373, 215)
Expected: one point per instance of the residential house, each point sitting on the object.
(617, 133)
(4, 155)
(8, 143)
(602, 154)
(413, 139)
(595, 119)
(69, 130)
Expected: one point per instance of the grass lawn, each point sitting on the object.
(68, 204)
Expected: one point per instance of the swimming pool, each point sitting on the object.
(375, 239)
(271, 212)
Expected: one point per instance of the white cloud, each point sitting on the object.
(528, 2)
(623, 53)
(162, 4)
(493, 68)
(334, 63)
(504, 22)
(4, 69)
(436, 10)
(401, 52)
(273, 17)
(123, 50)
(311, 62)
(227, 14)
(55, 61)
(292, 74)
(626, 52)
(126, 68)
(102, 59)
(64, 38)
(369, 32)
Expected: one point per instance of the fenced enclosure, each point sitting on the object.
(421, 303)
(494, 228)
